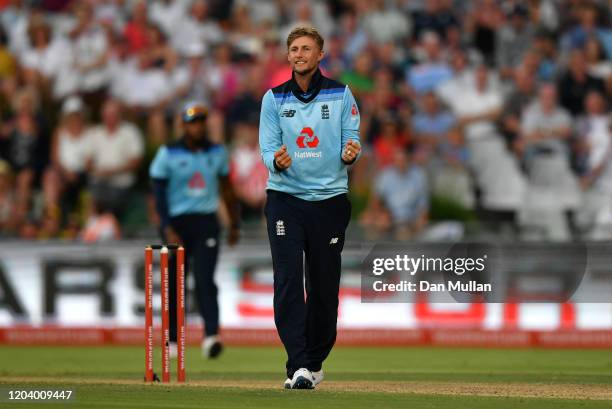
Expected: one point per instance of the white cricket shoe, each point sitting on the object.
(302, 379)
(211, 347)
(173, 350)
(317, 377)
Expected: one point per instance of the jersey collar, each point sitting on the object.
(313, 88)
(205, 145)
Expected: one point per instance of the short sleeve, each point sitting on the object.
(159, 166)
(135, 144)
(223, 161)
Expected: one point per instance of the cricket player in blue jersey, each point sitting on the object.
(189, 176)
(308, 136)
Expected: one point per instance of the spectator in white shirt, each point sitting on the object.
(168, 14)
(145, 86)
(190, 80)
(46, 58)
(593, 132)
(111, 13)
(462, 78)
(545, 126)
(70, 152)
(91, 55)
(595, 214)
(15, 20)
(478, 107)
(196, 27)
(385, 24)
(120, 64)
(117, 150)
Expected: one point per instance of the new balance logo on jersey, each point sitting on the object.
(289, 113)
(324, 111)
(280, 228)
(334, 240)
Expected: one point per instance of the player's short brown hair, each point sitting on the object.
(304, 31)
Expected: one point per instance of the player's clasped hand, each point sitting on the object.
(351, 150)
(282, 158)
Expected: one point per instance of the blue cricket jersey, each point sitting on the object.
(192, 177)
(315, 125)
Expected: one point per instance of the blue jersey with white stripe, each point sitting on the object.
(315, 126)
(192, 176)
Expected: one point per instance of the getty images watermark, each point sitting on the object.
(415, 265)
(487, 272)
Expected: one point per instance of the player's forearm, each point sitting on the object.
(161, 201)
(228, 195)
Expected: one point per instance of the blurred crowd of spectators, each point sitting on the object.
(494, 112)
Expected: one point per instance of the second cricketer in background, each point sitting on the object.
(188, 177)
(308, 135)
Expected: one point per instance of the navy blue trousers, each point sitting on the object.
(200, 236)
(306, 239)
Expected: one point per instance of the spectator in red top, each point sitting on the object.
(390, 140)
(274, 62)
(136, 30)
(224, 77)
(248, 173)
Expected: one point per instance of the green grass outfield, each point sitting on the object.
(373, 378)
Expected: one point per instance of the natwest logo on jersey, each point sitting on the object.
(197, 185)
(307, 140)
